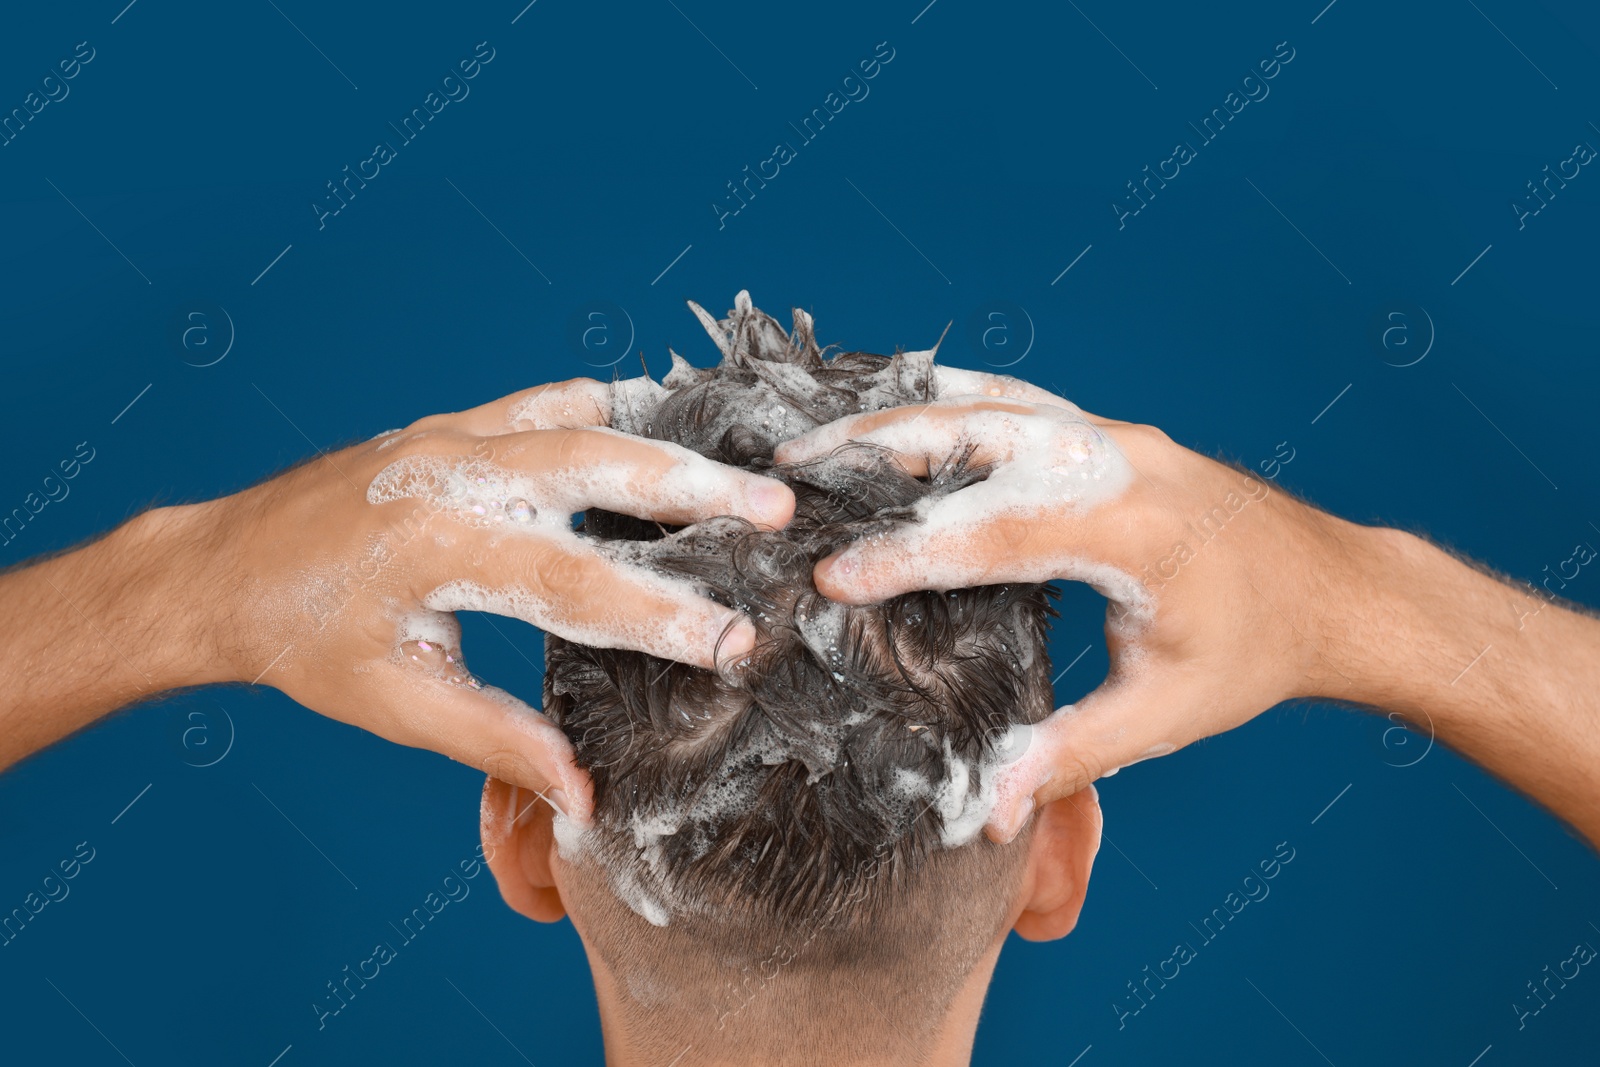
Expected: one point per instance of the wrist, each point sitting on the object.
(177, 591)
(1379, 625)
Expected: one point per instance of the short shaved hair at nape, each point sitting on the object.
(794, 847)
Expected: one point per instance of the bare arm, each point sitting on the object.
(1506, 675)
(337, 582)
(105, 625)
(1227, 596)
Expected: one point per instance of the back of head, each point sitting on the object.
(798, 845)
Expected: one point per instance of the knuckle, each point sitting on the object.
(431, 437)
(1015, 535)
(560, 404)
(575, 448)
(556, 573)
(1077, 768)
(1147, 434)
(428, 422)
(508, 766)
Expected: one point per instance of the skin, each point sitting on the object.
(519, 844)
(1283, 602)
(302, 584)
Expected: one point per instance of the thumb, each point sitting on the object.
(491, 730)
(1118, 724)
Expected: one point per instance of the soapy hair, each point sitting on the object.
(831, 793)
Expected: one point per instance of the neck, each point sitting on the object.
(785, 1020)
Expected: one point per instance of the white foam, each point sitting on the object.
(431, 626)
(822, 628)
(483, 494)
(579, 402)
(910, 786)
(572, 839)
(634, 402)
(727, 799)
(470, 491)
(648, 830)
(632, 892)
(964, 809)
(956, 381)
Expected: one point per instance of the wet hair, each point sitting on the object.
(814, 798)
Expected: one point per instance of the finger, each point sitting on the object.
(658, 480)
(956, 381)
(558, 405)
(559, 472)
(1119, 724)
(567, 588)
(562, 405)
(489, 729)
(981, 535)
(915, 432)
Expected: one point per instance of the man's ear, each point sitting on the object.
(1066, 836)
(517, 839)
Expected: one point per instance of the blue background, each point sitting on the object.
(1416, 906)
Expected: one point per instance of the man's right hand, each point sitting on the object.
(353, 567)
(337, 582)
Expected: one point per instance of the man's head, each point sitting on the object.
(789, 856)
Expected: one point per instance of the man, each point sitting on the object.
(783, 866)
(786, 864)
(1227, 597)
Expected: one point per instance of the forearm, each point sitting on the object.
(108, 624)
(1503, 675)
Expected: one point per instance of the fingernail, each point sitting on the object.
(732, 656)
(511, 806)
(843, 566)
(560, 801)
(741, 639)
(1024, 811)
(768, 496)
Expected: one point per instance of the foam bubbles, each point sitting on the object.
(632, 892)
(964, 804)
(572, 838)
(822, 626)
(470, 491)
(430, 626)
(910, 786)
(634, 402)
(955, 381)
(511, 504)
